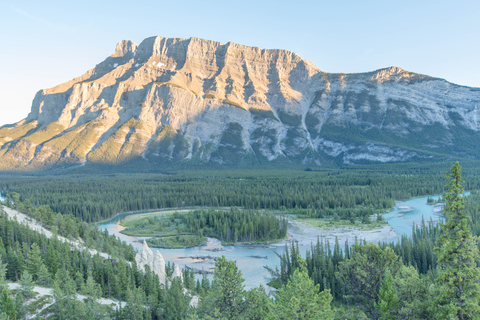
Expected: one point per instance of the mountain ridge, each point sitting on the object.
(171, 100)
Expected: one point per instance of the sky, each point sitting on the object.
(45, 43)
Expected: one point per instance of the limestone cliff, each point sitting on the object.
(191, 100)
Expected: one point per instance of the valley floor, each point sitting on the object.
(298, 230)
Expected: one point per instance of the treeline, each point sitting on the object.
(52, 263)
(235, 225)
(324, 258)
(348, 193)
(33, 259)
(70, 227)
(355, 273)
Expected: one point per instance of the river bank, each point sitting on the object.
(305, 234)
(399, 219)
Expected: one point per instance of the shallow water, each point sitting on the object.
(407, 213)
(251, 259)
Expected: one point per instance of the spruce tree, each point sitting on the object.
(458, 276)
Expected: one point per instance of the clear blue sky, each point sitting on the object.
(45, 43)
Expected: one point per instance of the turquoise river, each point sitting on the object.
(252, 259)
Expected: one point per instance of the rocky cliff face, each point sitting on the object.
(154, 261)
(197, 101)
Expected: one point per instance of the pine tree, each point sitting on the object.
(363, 273)
(387, 298)
(26, 286)
(51, 260)
(134, 308)
(225, 298)
(7, 304)
(20, 308)
(34, 261)
(176, 303)
(3, 270)
(458, 276)
(301, 299)
(258, 306)
(44, 278)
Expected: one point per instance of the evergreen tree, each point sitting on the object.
(51, 260)
(258, 305)
(44, 278)
(225, 298)
(20, 308)
(176, 303)
(3, 270)
(26, 286)
(7, 304)
(363, 273)
(458, 276)
(387, 298)
(91, 287)
(301, 299)
(134, 308)
(58, 298)
(64, 293)
(412, 294)
(34, 261)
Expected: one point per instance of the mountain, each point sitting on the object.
(198, 102)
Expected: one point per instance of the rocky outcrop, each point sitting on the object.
(154, 261)
(192, 100)
(194, 302)
(177, 273)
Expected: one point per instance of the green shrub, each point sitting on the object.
(232, 103)
(209, 96)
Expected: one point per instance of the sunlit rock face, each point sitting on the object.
(171, 100)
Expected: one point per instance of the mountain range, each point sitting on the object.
(195, 102)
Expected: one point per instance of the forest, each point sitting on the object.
(348, 192)
(416, 277)
(235, 225)
(190, 228)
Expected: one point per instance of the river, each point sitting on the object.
(251, 259)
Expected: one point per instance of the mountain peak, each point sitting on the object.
(172, 100)
(395, 74)
(124, 47)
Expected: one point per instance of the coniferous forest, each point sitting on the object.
(431, 274)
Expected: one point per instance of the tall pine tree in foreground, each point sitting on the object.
(458, 294)
(225, 300)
